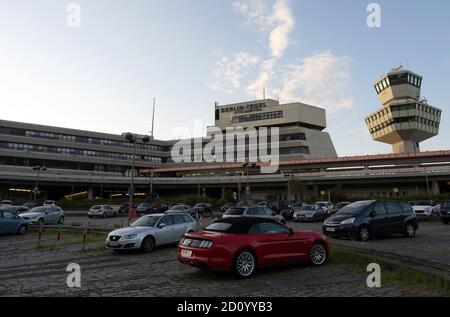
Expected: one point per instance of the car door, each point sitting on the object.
(395, 217)
(278, 245)
(10, 222)
(165, 234)
(378, 218)
(180, 225)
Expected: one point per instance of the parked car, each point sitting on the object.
(327, 205)
(124, 208)
(243, 245)
(49, 203)
(435, 209)
(367, 219)
(41, 215)
(32, 204)
(288, 213)
(444, 212)
(151, 208)
(180, 208)
(10, 223)
(200, 208)
(16, 209)
(245, 203)
(309, 213)
(151, 231)
(254, 211)
(6, 202)
(337, 207)
(101, 211)
(226, 206)
(278, 205)
(423, 208)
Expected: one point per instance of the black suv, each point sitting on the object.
(444, 212)
(367, 219)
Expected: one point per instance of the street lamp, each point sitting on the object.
(133, 138)
(247, 189)
(36, 188)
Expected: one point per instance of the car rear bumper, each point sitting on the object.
(203, 258)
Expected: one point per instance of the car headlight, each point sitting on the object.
(130, 236)
(347, 221)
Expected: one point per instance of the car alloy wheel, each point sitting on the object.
(245, 264)
(318, 254)
(410, 231)
(148, 244)
(22, 230)
(364, 234)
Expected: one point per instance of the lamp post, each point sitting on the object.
(248, 194)
(36, 188)
(133, 138)
(151, 184)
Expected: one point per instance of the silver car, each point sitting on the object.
(253, 211)
(102, 211)
(151, 231)
(309, 213)
(44, 215)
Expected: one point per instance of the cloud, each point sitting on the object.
(284, 24)
(230, 71)
(322, 79)
(277, 23)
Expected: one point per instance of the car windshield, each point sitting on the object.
(422, 203)
(234, 211)
(96, 207)
(144, 205)
(309, 207)
(177, 207)
(40, 209)
(446, 204)
(321, 204)
(297, 205)
(199, 205)
(146, 221)
(355, 208)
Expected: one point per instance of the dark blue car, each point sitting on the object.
(10, 223)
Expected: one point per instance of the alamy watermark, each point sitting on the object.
(234, 145)
(74, 278)
(374, 278)
(374, 18)
(74, 15)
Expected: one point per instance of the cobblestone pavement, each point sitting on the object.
(27, 271)
(430, 247)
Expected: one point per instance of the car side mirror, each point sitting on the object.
(161, 225)
(291, 232)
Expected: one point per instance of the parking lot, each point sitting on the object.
(28, 270)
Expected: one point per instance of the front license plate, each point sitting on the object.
(331, 229)
(186, 253)
(113, 244)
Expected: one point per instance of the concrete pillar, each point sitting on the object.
(90, 194)
(316, 191)
(435, 188)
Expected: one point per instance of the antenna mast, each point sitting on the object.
(153, 116)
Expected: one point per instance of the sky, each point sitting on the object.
(97, 64)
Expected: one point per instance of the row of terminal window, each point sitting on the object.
(80, 139)
(257, 117)
(403, 120)
(394, 108)
(398, 79)
(79, 152)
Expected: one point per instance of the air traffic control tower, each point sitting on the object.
(405, 119)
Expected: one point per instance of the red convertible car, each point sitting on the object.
(243, 245)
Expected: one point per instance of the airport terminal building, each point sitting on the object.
(100, 164)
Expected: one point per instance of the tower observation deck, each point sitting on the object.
(405, 119)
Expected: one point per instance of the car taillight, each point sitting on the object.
(202, 244)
